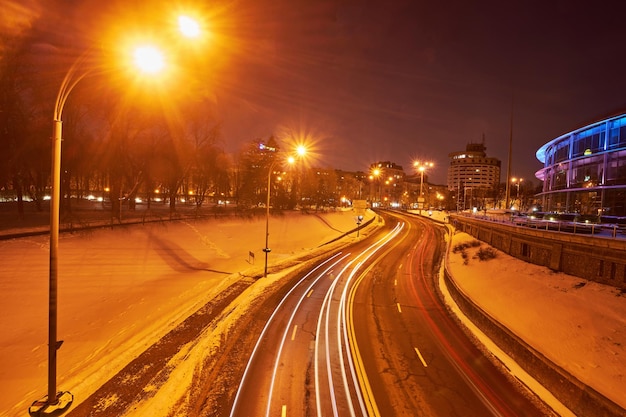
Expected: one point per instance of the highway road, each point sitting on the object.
(364, 333)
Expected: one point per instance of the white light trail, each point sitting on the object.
(288, 326)
(267, 324)
(342, 323)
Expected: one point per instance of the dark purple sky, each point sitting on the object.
(406, 79)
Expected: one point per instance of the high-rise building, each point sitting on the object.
(473, 177)
(473, 168)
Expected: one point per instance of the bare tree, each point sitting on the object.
(21, 165)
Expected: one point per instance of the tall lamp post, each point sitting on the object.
(267, 249)
(421, 167)
(149, 60)
(301, 151)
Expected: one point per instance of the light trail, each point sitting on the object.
(464, 370)
(288, 326)
(368, 404)
(264, 331)
(324, 318)
(334, 338)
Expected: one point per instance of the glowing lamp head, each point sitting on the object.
(188, 27)
(149, 59)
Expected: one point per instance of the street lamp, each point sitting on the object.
(518, 182)
(375, 175)
(298, 191)
(421, 167)
(300, 151)
(149, 60)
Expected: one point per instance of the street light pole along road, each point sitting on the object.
(149, 60)
(421, 167)
(301, 152)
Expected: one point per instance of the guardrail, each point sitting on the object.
(606, 230)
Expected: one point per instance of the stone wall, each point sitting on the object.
(595, 258)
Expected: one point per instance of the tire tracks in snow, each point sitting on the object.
(141, 377)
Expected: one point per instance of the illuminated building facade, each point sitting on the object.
(585, 170)
(473, 176)
(473, 168)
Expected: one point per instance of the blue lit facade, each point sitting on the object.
(585, 170)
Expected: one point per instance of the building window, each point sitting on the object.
(562, 152)
(586, 172)
(614, 133)
(560, 180)
(525, 250)
(616, 168)
(589, 141)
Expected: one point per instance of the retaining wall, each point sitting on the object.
(594, 258)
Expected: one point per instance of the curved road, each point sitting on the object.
(365, 334)
(419, 362)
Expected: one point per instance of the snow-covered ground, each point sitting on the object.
(579, 325)
(123, 289)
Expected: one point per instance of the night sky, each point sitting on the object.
(403, 80)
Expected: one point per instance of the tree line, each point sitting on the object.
(126, 143)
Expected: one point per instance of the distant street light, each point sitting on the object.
(376, 173)
(517, 182)
(421, 167)
(300, 151)
(149, 60)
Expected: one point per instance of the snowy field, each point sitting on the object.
(120, 290)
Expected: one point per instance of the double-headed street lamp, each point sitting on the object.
(300, 152)
(148, 59)
(421, 167)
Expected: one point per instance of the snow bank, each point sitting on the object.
(579, 325)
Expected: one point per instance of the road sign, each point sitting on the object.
(359, 206)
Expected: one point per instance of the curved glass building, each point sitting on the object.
(584, 171)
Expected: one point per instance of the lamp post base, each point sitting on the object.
(45, 408)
